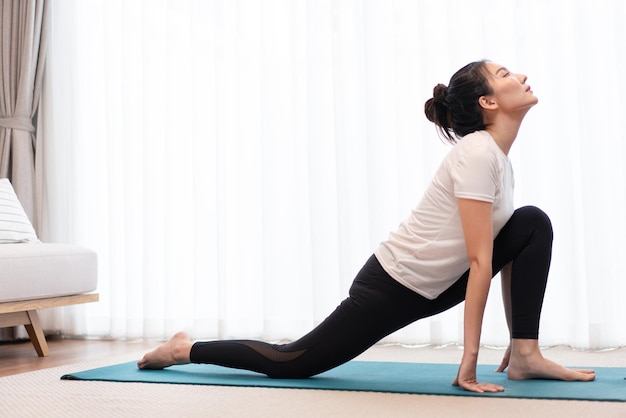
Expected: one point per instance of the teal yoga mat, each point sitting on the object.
(373, 376)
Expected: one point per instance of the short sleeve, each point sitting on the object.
(475, 173)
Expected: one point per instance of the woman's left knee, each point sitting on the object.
(536, 217)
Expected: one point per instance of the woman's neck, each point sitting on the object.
(504, 131)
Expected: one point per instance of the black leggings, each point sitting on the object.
(378, 305)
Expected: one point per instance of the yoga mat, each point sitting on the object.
(373, 376)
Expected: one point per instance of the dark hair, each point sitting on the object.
(455, 109)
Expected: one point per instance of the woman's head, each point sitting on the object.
(475, 94)
(455, 109)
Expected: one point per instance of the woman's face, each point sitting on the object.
(510, 91)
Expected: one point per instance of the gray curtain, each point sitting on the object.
(23, 30)
(23, 27)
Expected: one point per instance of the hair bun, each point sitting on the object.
(440, 93)
(436, 108)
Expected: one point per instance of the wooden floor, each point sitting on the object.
(20, 357)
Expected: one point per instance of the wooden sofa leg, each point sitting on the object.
(35, 332)
(24, 312)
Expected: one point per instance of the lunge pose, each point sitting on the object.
(462, 233)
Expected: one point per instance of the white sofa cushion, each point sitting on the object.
(14, 224)
(41, 270)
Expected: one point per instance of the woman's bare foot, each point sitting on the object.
(175, 351)
(527, 362)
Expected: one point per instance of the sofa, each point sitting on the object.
(36, 275)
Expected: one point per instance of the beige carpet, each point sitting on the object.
(43, 394)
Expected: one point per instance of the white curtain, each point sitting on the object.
(234, 162)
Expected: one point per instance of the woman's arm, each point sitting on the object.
(505, 275)
(478, 232)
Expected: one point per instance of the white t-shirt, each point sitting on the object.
(427, 252)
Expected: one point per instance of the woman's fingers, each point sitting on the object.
(503, 365)
(505, 360)
(478, 387)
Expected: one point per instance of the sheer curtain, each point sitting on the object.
(234, 163)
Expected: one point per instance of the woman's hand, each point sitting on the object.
(466, 379)
(505, 360)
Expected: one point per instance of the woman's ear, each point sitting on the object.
(487, 102)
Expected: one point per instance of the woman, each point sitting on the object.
(462, 233)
